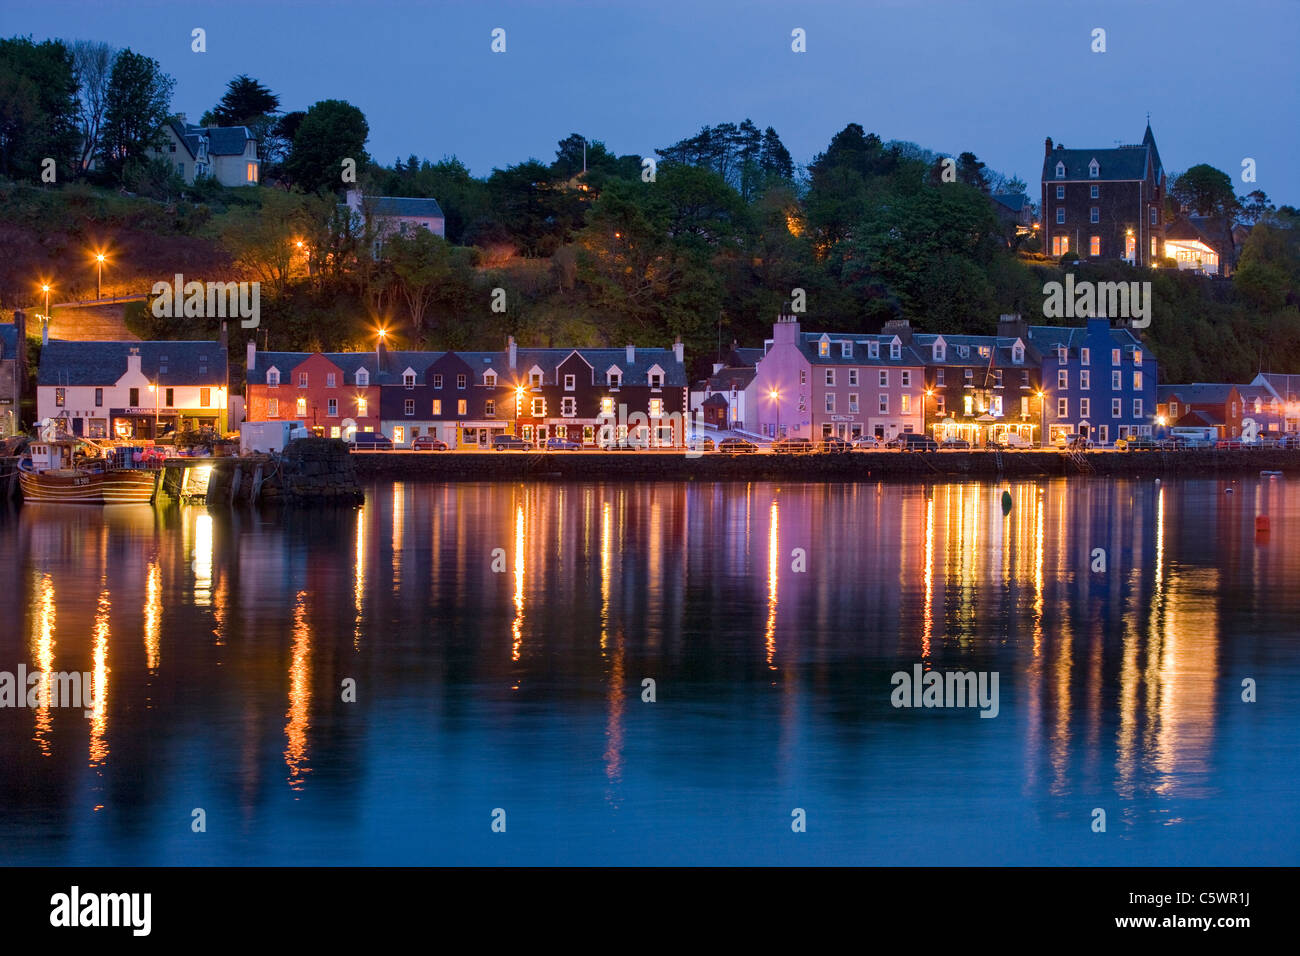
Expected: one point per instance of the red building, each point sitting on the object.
(331, 393)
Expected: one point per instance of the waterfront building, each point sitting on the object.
(1201, 406)
(818, 384)
(332, 393)
(727, 397)
(1283, 400)
(132, 390)
(458, 397)
(981, 388)
(1099, 381)
(13, 373)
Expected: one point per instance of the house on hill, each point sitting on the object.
(1104, 203)
(396, 215)
(226, 153)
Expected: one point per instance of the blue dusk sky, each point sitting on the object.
(994, 77)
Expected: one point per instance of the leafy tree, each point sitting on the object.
(1204, 190)
(262, 239)
(137, 104)
(330, 132)
(38, 107)
(244, 101)
(1254, 207)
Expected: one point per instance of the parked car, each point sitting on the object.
(834, 445)
(910, 441)
(1012, 440)
(561, 444)
(792, 446)
(428, 443)
(866, 443)
(736, 446)
(1229, 443)
(953, 444)
(1137, 444)
(510, 443)
(703, 443)
(1289, 440)
(371, 441)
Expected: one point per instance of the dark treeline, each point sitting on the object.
(707, 239)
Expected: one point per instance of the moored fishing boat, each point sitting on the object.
(53, 471)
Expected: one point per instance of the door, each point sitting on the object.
(482, 438)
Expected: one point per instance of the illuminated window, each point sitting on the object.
(273, 408)
(1094, 246)
(335, 431)
(301, 408)
(462, 407)
(656, 408)
(205, 398)
(60, 395)
(1137, 356)
(1060, 244)
(824, 347)
(363, 407)
(968, 404)
(906, 404)
(437, 406)
(1137, 381)
(252, 172)
(399, 434)
(1114, 356)
(607, 407)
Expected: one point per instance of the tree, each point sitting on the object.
(422, 263)
(38, 107)
(262, 239)
(1254, 207)
(1205, 190)
(93, 63)
(244, 101)
(330, 132)
(137, 104)
(970, 170)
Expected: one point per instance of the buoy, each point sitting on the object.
(1006, 502)
(1227, 491)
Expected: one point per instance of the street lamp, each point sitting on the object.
(519, 402)
(156, 399)
(99, 281)
(45, 287)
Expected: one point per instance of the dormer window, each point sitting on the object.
(873, 350)
(824, 347)
(1018, 354)
(363, 378)
(613, 378)
(1094, 170)
(408, 379)
(273, 376)
(656, 379)
(490, 379)
(895, 351)
(846, 350)
(1061, 353)
(963, 351)
(535, 379)
(1060, 170)
(939, 351)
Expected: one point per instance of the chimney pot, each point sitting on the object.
(631, 354)
(250, 361)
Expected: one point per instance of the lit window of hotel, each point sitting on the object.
(607, 407)
(1024, 405)
(906, 404)
(205, 398)
(968, 405)
(60, 394)
(1094, 246)
(252, 172)
(1114, 356)
(301, 410)
(437, 406)
(1137, 381)
(1153, 246)
(332, 408)
(656, 408)
(1060, 245)
(399, 434)
(824, 347)
(462, 407)
(273, 408)
(1137, 356)
(363, 407)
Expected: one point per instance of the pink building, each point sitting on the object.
(814, 385)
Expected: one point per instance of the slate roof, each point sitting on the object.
(286, 362)
(1114, 164)
(1047, 338)
(1198, 419)
(635, 372)
(103, 363)
(725, 379)
(403, 207)
(1013, 201)
(222, 140)
(1199, 393)
(809, 342)
(1286, 387)
(1002, 346)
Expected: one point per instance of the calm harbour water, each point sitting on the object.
(499, 635)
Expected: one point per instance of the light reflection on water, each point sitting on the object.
(499, 637)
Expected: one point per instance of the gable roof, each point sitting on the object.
(1198, 393)
(222, 140)
(103, 363)
(1115, 164)
(399, 207)
(286, 362)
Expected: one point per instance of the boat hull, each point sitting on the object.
(111, 488)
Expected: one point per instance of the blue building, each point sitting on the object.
(1098, 381)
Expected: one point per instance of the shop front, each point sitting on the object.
(478, 434)
(136, 424)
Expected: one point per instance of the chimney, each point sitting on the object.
(381, 353)
(1012, 326)
(679, 352)
(631, 354)
(133, 362)
(45, 330)
(250, 362)
(513, 350)
(900, 327)
(786, 330)
(1048, 151)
